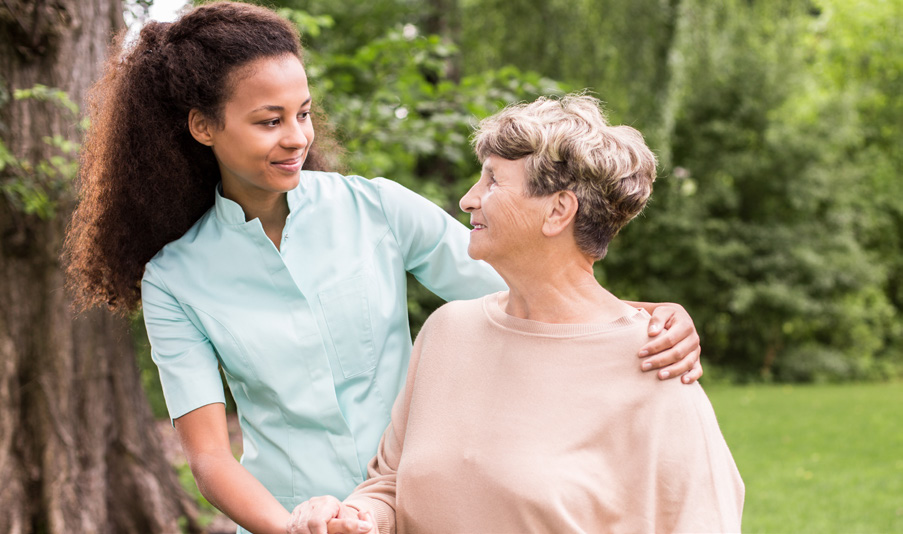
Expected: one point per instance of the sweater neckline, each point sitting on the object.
(497, 315)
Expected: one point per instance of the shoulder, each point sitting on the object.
(452, 318)
(448, 335)
(333, 183)
(331, 191)
(190, 244)
(459, 310)
(395, 196)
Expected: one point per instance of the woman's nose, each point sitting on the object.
(470, 201)
(294, 135)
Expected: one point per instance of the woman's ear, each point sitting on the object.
(561, 212)
(201, 127)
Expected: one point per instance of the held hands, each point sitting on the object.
(364, 524)
(327, 515)
(675, 349)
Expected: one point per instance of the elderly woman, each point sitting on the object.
(499, 427)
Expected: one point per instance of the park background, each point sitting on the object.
(777, 221)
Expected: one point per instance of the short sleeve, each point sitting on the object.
(189, 369)
(434, 245)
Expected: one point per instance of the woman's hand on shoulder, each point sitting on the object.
(327, 515)
(674, 350)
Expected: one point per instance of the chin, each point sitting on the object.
(286, 184)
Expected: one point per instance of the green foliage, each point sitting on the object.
(816, 458)
(356, 23)
(35, 187)
(48, 94)
(857, 56)
(401, 114)
(306, 23)
(622, 51)
(757, 224)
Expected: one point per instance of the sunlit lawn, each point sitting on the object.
(821, 458)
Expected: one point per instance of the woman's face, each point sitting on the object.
(266, 132)
(507, 221)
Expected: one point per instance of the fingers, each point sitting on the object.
(676, 332)
(368, 518)
(693, 374)
(347, 526)
(347, 512)
(310, 516)
(676, 351)
(361, 524)
(662, 317)
(676, 360)
(680, 368)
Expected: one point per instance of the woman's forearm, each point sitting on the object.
(234, 491)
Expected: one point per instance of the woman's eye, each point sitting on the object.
(304, 115)
(271, 123)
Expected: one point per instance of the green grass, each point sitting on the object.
(819, 458)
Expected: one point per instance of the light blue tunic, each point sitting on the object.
(313, 337)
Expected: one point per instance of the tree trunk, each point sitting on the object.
(78, 450)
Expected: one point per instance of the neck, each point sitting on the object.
(271, 211)
(559, 289)
(270, 208)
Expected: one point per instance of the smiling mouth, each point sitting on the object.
(479, 226)
(291, 165)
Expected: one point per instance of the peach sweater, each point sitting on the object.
(511, 425)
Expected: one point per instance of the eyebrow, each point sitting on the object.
(278, 108)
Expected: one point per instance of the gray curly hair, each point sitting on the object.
(569, 145)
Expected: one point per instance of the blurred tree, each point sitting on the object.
(756, 224)
(858, 56)
(78, 452)
(620, 50)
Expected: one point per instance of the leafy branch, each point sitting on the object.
(35, 187)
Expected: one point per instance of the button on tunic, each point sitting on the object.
(313, 337)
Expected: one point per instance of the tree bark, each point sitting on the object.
(78, 450)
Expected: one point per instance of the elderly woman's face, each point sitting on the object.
(506, 220)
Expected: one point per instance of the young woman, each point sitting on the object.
(195, 205)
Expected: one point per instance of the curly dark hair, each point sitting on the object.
(144, 181)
